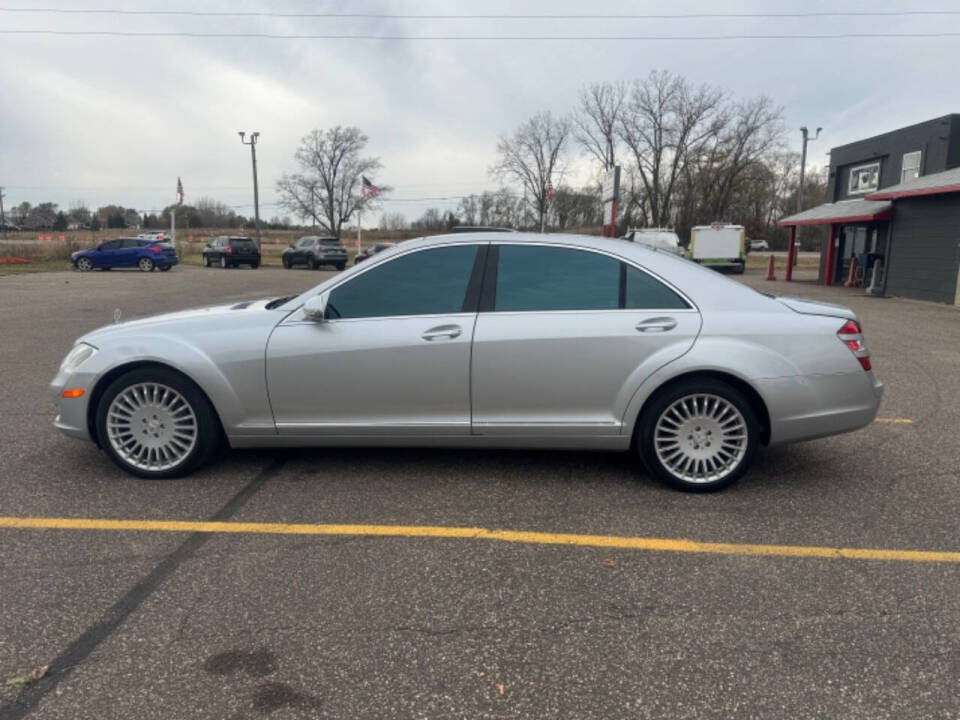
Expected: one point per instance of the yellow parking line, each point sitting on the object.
(895, 421)
(473, 533)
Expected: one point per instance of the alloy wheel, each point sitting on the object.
(84, 264)
(145, 264)
(701, 438)
(151, 426)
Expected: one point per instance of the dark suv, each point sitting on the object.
(228, 251)
(314, 251)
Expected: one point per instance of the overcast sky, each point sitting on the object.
(117, 119)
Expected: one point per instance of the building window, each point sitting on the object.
(864, 178)
(910, 168)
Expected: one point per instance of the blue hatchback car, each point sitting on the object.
(126, 252)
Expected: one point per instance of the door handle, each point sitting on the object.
(657, 324)
(441, 332)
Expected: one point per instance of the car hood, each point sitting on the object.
(194, 317)
(816, 307)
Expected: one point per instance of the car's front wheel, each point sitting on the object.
(698, 435)
(145, 264)
(156, 424)
(84, 264)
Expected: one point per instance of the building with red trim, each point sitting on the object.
(895, 208)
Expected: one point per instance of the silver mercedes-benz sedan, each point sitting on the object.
(482, 340)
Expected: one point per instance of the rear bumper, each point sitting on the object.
(814, 406)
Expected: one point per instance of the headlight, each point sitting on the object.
(76, 357)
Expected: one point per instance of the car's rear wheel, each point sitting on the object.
(206, 260)
(255, 264)
(341, 266)
(286, 262)
(223, 262)
(145, 264)
(698, 435)
(315, 264)
(156, 424)
(84, 264)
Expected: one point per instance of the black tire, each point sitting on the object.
(146, 264)
(341, 266)
(206, 260)
(286, 262)
(223, 262)
(704, 388)
(315, 264)
(254, 265)
(209, 433)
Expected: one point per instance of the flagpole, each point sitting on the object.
(359, 227)
(173, 225)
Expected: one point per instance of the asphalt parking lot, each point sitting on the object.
(170, 621)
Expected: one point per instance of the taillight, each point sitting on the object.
(852, 336)
(228, 249)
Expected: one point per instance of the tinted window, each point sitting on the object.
(111, 245)
(429, 282)
(551, 278)
(329, 241)
(242, 243)
(646, 293)
(133, 243)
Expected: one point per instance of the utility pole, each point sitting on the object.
(803, 163)
(3, 218)
(803, 172)
(256, 193)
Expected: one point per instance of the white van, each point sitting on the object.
(720, 246)
(659, 238)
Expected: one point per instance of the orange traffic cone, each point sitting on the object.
(771, 275)
(851, 278)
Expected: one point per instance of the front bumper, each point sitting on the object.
(71, 416)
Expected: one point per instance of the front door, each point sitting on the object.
(567, 339)
(392, 359)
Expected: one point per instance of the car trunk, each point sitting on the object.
(816, 307)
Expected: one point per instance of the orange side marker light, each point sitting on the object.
(72, 393)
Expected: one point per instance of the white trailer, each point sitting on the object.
(720, 246)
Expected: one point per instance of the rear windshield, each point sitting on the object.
(241, 242)
(329, 241)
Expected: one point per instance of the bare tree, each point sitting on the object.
(532, 156)
(665, 122)
(598, 118)
(328, 188)
(747, 133)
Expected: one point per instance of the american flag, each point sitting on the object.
(179, 192)
(548, 192)
(369, 189)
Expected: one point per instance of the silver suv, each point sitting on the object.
(314, 251)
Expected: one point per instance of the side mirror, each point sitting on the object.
(315, 308)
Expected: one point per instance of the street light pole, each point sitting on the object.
(256, 193)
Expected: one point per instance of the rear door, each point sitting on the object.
(564, 338)
(130, 251)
